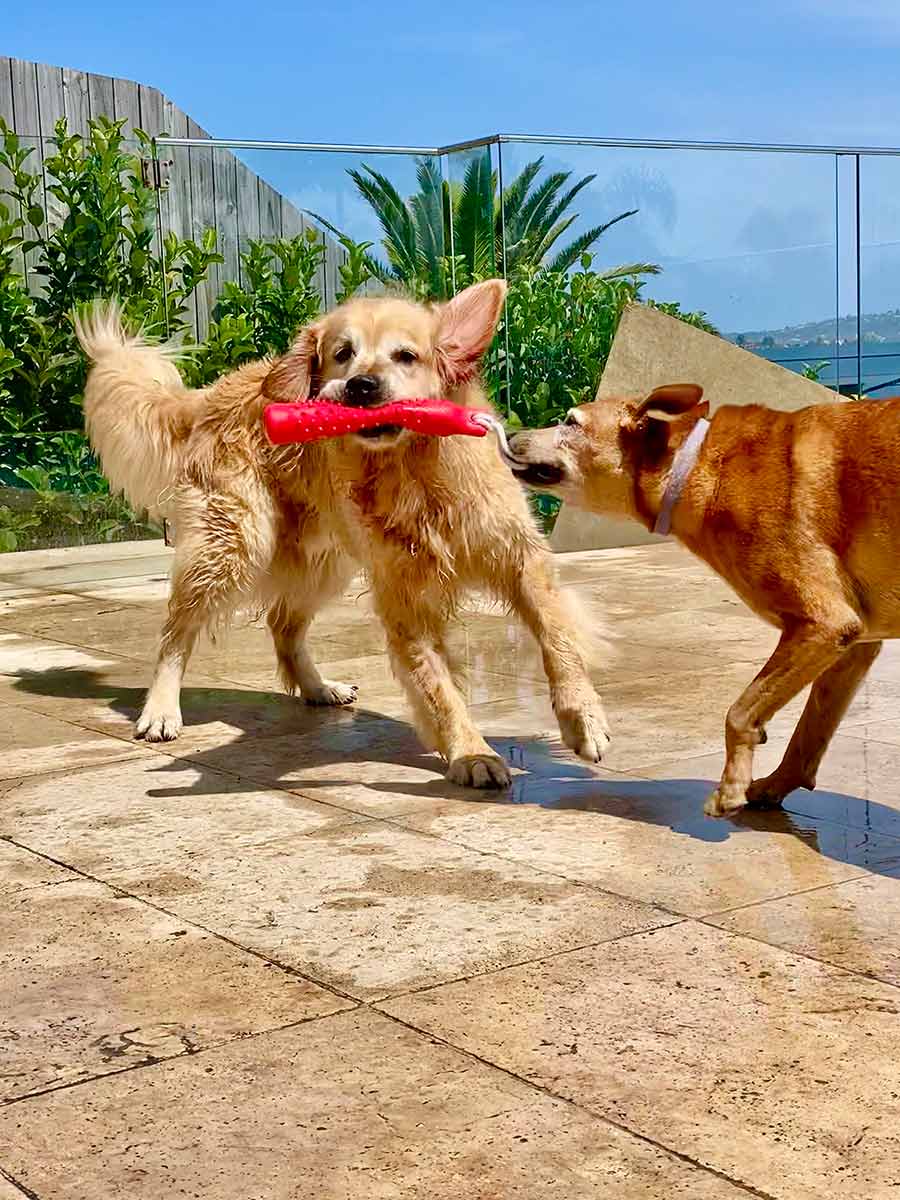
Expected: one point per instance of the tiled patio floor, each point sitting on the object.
(281, 959)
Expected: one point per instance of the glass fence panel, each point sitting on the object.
(314, 227)
(879, 286)
(744, 242)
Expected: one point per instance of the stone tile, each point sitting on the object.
(95, 982)
(66, 573)
(144, 816)
(366, 907)
(35, 744)
(134, 554)
(23, 657)
(20, 869)
(648, 839)
(216, 712)
(734, 1052)
(8, 1191)
(17, 604)
(854, 925)
(341, 747)
(350, 1108)
(703, 629)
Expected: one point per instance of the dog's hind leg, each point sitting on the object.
(829, 698)
(223, 544)
(289, 620)
(806, 651)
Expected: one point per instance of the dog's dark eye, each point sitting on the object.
(405, 356)
(344, 354)
(572, 421)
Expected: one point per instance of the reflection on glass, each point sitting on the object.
(879, 260)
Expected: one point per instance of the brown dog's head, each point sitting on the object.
(594, 459)
(370, 352)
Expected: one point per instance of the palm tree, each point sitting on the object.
(451, 233)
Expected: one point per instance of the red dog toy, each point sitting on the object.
(308, 422)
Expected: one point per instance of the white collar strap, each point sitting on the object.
(684, 462)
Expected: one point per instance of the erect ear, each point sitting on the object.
(294, 376)
(465, 328)
(670, 402)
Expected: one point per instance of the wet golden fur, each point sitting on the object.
(284, 528)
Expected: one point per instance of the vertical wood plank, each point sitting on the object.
(76, 102)
(247, 209)
(224, 166)
(101, 96)
(51, 106)
(127, 107)
(7, 112)
(51, 102)
(333, 253)
(203, 217)
(292, 224)
(152, 111)
(6, 91)
(269, 211)
(175, 201)
(27, 124)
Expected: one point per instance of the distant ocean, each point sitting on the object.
(880, 365)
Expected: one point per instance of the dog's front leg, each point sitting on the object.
(542, 607)
(415, 636)
(805, 651)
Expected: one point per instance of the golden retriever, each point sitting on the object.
(796, 510)
(284, 528)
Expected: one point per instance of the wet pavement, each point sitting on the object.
(281, 958)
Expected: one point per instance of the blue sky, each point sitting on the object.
(751, 239)
(765, 70)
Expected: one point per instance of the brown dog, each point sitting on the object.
(798, 511)
(283, 529)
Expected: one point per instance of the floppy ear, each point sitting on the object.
(294, 376)
(670, 402)
(465, 328)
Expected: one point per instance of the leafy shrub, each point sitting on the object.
(556, 337)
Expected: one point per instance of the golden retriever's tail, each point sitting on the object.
(137, 411)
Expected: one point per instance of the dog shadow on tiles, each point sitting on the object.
(372, 763)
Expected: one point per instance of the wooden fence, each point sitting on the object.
(208, 186)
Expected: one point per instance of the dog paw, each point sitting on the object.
(585, 730)
(479, 771)
(156, 726)
(329, 692)
(725, 801)
(771, 791)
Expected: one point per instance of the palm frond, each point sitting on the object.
(380, 271)
(569, 254)
(394, 217)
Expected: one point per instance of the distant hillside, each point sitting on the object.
(876, 327)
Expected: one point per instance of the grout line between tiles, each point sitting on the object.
(11, 1179)
(156, 1062)
(587, 1109)
(180, 917)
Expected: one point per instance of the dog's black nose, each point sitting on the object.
(363, 390)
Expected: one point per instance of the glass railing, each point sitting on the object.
(232, 245)
(743, 242)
